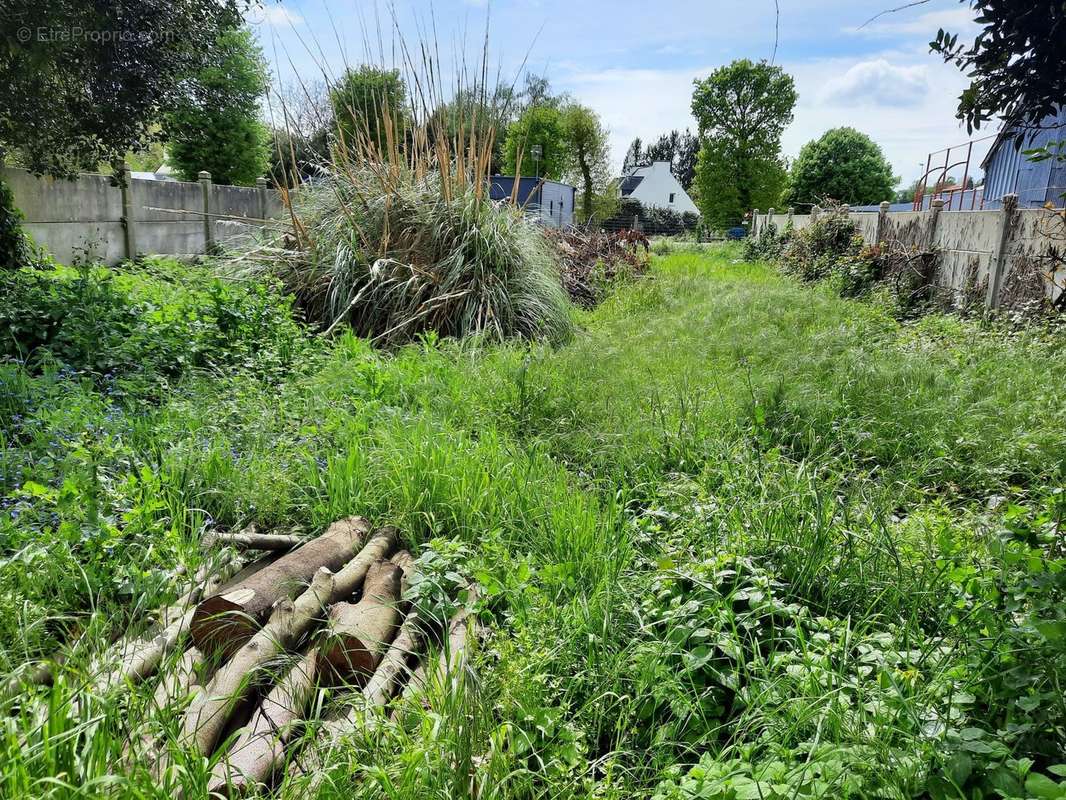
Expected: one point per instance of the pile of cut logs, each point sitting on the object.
(256, 646)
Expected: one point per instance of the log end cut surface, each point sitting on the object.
(220, 625)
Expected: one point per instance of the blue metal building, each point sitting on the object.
(1009, 171)
(549, 202)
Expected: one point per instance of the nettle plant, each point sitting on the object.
(769, 682)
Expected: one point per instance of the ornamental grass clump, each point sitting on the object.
(396, 234)
(392, 254)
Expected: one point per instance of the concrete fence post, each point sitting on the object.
(770, 217)
(754, 221)
(264, 197)
(882, 221)
(129, 214)
(791, 214)
(934, 209)
(209, 226)
(998, 265)
(814, 213)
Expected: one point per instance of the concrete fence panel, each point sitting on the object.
(867, 226)
(94, 217)
(1001, 257)
(73, 219)
(909, 227)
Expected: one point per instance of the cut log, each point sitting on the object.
(260, 749)
(394, 666)
(176, 686)
(207, 716)
(251, 539)
(378, 690)
(223, 623)
(140, 659)
(360, 632)
(350, 579)
(452, 658)
(406, 562)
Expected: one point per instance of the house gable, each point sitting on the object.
(655, 186)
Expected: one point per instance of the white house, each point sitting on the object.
(655, 185)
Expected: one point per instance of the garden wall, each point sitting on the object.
(1000, 258)
(112, 218)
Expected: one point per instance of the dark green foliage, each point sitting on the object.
(14, 249)
(680, 149)
(216, 126)
(843, 166)
(369, 107)
(136, 330)
(767, 244)
(742, 110)
(538, 125)
(1013, 63)
(653, 220)
(82, 83)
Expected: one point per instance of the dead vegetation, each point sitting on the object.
(591, 261)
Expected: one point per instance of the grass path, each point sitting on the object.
(738, 531)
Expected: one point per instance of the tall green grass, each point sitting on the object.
(739, 533)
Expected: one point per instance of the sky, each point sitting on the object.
(634, 62)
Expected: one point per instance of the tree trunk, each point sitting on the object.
(207, 716)
(139, 659)
(223, 623)
(350, 579)
(177, 684)
(360, 632)
(251, 539)
(260, 749)
(586, 197)
(452, 658)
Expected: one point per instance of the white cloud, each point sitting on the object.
(273, 14)
(878, 83)
(955, 20)
(636, 102)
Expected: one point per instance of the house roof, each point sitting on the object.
(501, 186)
(629, 183)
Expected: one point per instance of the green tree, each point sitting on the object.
(473, 115)
(843, 165)
(1014, 63)
(725, 186)
(742, 110)
(367, 102)
(538, 125)
(217, 126)
(588, 150)
(69, 102)
(634, 156)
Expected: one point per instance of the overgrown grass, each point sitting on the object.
(739, 538)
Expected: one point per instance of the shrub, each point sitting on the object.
(397, 258)
(149, 325)
(767, 245)
(654, 221)
(14, 250)
(814, 252)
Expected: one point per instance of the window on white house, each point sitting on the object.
(672, 196)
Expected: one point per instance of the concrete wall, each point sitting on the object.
(1001, 258)
(87, 217)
